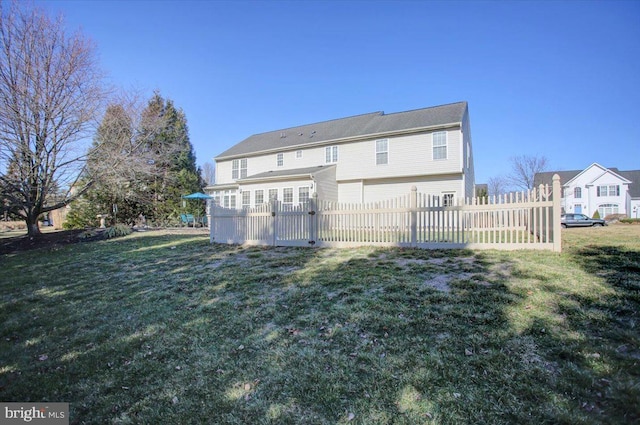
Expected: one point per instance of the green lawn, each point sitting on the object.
(165, 328)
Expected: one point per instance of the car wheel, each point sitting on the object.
(597, 224)
(564, 226)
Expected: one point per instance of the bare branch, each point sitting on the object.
(50, 94)
(524, 169)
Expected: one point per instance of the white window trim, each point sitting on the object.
(292, 196)
(269, 193)
(308, 193)
(333, 152)
(299, 154)
(255, 196)
(452, 196)
(386, 151)
(280, 159)
(247, 204)
(445, 145)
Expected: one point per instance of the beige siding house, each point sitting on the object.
(360, 159)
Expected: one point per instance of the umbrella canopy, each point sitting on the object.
(197, 195)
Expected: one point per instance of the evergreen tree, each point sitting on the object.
(165, 128)
(141, 163)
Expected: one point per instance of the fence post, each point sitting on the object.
(313, 219)
(274, 221)
(413, 215)
(210, 214)
(557, 228)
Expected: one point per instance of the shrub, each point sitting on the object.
(596, 215)
(630, 220)
(117, 231)
(88, 234)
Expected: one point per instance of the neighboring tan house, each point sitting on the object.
(359, 159)
(597, 188)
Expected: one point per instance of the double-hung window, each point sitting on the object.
(331, 154)
(259, 197)
(280, 159)
(287, 195)
(239, 169)
(439, 140)
(303, 195)
(608, 190)
(246, 199)
(382, 152)
(273, 194)
(448, 199)
(577, 192)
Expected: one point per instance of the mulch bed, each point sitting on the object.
(45, 240)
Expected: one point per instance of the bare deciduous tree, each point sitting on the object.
(124, 153)
(209, 171)
(524, 169)
(497, 186)
(50, 94)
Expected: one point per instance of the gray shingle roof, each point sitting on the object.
(343, 128)
(288, 173)
(634, 177)
(547, 176)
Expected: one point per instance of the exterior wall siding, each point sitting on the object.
(467, 155)
(408, 156)
(380, 190)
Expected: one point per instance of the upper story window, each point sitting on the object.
(239, 169)
(577, 192)
(608, 190)
(298, 154)
(280, 159)
(331, 154)
(439, 145)
(382, 152)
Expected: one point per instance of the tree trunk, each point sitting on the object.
(32, 227)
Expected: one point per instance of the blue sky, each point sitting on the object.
(553, 78)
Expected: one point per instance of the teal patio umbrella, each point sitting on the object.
(197, 195)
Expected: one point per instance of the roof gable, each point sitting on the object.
(351, 127)
(569, 177)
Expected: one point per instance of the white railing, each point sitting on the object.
(524, 220)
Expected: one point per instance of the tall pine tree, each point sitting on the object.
(142, 162)
(165, 129)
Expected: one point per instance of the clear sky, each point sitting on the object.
(553, 78)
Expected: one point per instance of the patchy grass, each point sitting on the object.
(165, 328)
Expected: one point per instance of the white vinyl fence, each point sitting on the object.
(523, 220)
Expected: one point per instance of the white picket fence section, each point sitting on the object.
(524, 220)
